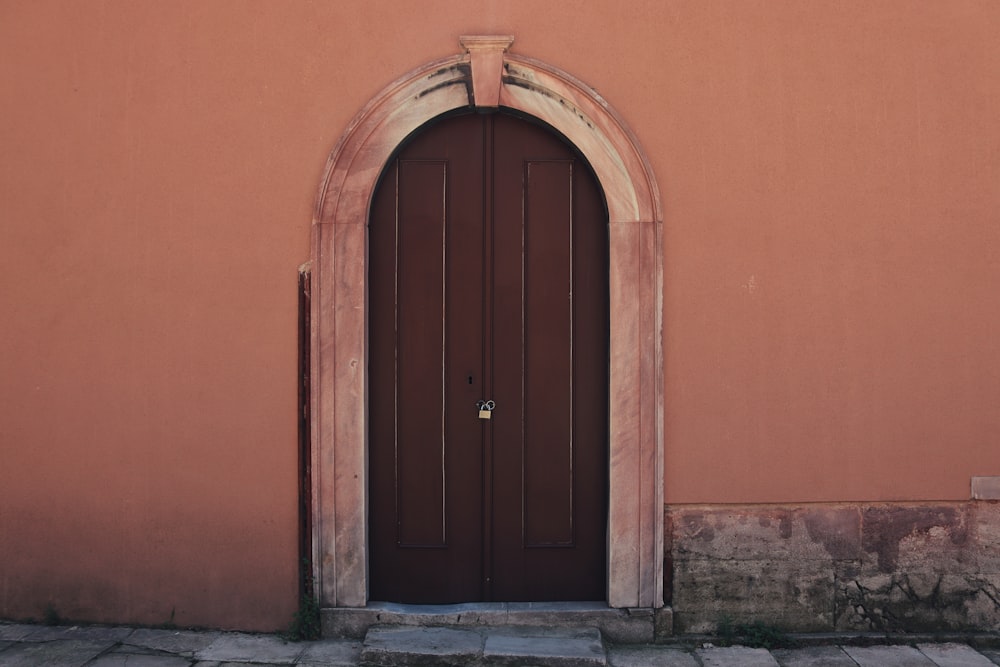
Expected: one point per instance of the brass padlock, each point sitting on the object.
(485, 409)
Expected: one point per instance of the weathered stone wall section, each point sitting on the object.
(843, 567)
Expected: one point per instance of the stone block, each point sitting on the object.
(954, 655)
(618, 625)
(15, 631)
(139, 660)
(627, 626)
(554, 647)
(792, 595)
(91, 632)
(888, 656)
(985, 521)
(398, 645)
(992, 653)
(346, 622)
(986, 488)
(649, 656)
(65, 653)
(813, 656)
(331, 653)
(735, 656)
(239, 647)
(765, 533)
(663, 623)
(173, 641)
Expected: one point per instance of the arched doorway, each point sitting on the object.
(486, 77)
(487, 368)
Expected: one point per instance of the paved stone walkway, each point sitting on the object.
(34, 645)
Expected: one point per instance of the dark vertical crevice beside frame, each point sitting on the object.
(305, 436)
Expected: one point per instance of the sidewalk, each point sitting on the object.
(92, 646)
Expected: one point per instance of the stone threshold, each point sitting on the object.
(623, 626)
(395, 645)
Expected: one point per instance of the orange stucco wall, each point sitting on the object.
(831, 181)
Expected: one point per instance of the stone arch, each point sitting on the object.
(486, 76)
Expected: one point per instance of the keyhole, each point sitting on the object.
(470, 379)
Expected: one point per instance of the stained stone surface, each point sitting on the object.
(174, 641)
(954, 655)
(251, 648)
(813, 656)
(649, 656)
(992, 653)
(735, 656)
(15, 631)
(93, 632)
(331, 653)
(888, 656)
(61, 653)
(793, 595)
(889, 567)
(139, 660)
(548, 646)
(396, 645)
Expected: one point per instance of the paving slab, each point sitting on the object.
(15, 631)
(888, 656)
(332, 653)
(551, 647)
(44, 633)
(138, 660)
(65, 653)
(735, 656)
(137, 650)
(954, 655)
(173, 641)
(813, 656)
(650, 656)
(992, 653)
(402, 645)
(239, 647)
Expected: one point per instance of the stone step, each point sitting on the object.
(389, 645)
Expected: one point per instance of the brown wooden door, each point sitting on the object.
(488, 281)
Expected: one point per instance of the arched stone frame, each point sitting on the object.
(486, 76)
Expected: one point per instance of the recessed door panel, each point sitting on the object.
(488, 256)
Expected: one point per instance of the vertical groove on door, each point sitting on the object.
(420, 281)
(547, 463)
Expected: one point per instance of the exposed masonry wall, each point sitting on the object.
(870, 567)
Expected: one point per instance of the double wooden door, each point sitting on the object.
(488, 284)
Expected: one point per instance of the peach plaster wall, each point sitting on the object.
(830, 252)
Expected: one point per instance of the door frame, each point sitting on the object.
(486, 76)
